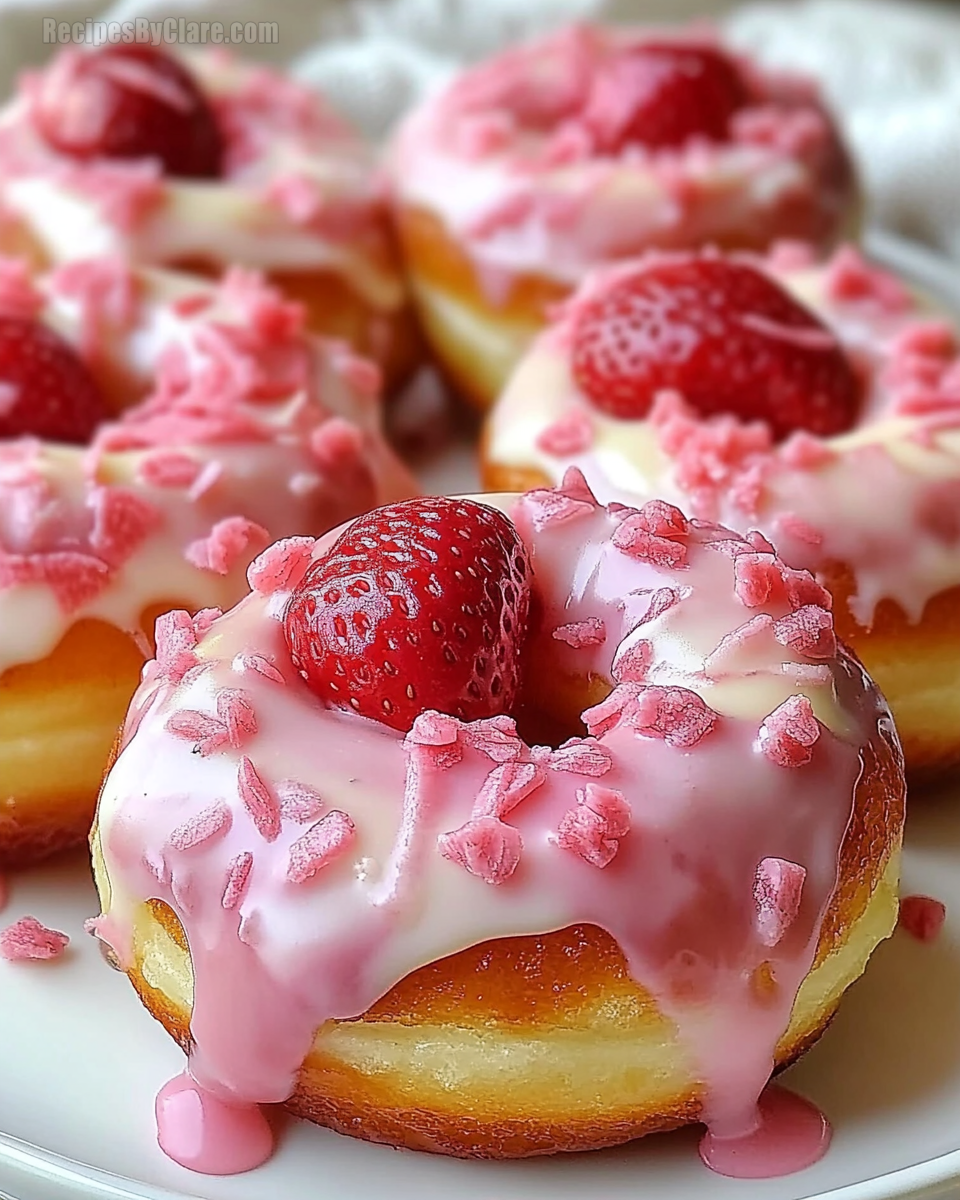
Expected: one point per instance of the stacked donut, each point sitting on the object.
(508, 824)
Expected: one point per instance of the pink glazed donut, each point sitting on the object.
(826, 413)
(254, 430)
(586, 147)
(621, 926)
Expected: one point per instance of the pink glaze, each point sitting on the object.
(791, 1134)
(254, 430)
(203, 1134)
(299, 191)
(320, 857)
(511, 156)
(814, 497)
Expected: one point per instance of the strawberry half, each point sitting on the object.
(129, 102)
(724, 335)
(45, 389)
(420, 605)
(661, 94)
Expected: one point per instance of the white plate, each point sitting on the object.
(80, 1064)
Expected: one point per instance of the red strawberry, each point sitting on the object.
(129, 102)
(661, 94)
(420, 605)
(45, 389)
(724, 335)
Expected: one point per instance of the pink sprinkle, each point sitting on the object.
(204, 619)
(675, 714)
(207, 733)
(804, 452)
(803, 589)
(122, 520)
(651, 535)
(74, 578)
(335, 445)
(759, 542)
(570, 434)
(259, 664)
(582, 756)
(553, 506)
(607, 715)
(777, 890)
(808, 631)
(922, 917)
(212, 823)
(27, 938)
(434, 729)
(192, 304)
(632, 663)
(850, 279)
(757, 578)
(927, 338)
(238, 878)
(591, 632)
(258, 800)
(236, 713)
(320, 845)
(228, 542)
(593, 829)
(484, 846)
(789, 733)
(796, 527)
(18, 296)
(176, 639)
(360, 374)
(281, 566)
(506, 786)
(496, 737)
(299, 802)
(168, 469)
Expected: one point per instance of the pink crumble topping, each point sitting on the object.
(850, 279)
(572, 499)
(236, 712)
(677, 715)
(18, 296)
(437, 736)
(260, 665)
(804, 452)
(237, 881)
(757, 577)
(107, 294)
(922, 917)
(122, 521)
(496, 737)
(568, 435)
(228, 542)
(634, 536)
(320, 845)
(593, 829)
(632, 662)
(281, 566)
(258, 800)
(789, 733)
(506, 786)
(777, 891)
(168, 469)
(808, 631)
(28, 939)
(790, 525)
(74, 578)
(484, 846)
(298, 801)
(176, 639)
(207, 826)
(208, 734)
(582, 756)
(591, 632)
(127, 193)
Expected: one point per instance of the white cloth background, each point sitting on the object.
(891, 67)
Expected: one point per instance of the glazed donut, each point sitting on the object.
(255, 430)
(424, 928)
(202, 163)
(865, 490)
(587, 147)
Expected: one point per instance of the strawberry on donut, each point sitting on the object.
(583, 808)
(584, 148)
(199, 161)
(254, 429)
(818, 404)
